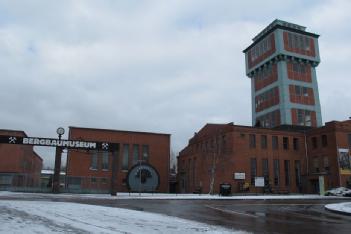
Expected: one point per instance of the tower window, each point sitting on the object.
(270, 119)
(261, 48)
(304, 117)
(267, 99)
(298, 41)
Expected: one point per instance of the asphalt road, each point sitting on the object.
(257, 216)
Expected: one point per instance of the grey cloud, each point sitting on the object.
(148, 66)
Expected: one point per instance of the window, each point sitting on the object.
(261, 48)
(125, 161)
(270, 119)
(285, 143)
(145, 153)
(253, 170)
(298, 41)
(104, 180)
(135, 153)
(287, 172)
(349, 140)
(93, 180)
(299, 68)
(276, 171)
(316, 165)
(267, 99)
(296, 143)
(264, 73)
(265, 171)
(275, 142)
(326, 163)
(301, 90)
(298, 173)
(314, 142)
(105, 161)
(252, 139)
(304, 117)
(324, 140)
(263, 141)
(94, 159)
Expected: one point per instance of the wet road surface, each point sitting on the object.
(257, 216)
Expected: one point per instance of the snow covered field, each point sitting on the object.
(160, 196)
(344, 207)
(54, 217)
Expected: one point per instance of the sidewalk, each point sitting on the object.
(340, 208)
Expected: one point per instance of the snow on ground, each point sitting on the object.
(344, 207)
(168, 196)
(54, 217)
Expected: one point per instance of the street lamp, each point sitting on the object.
(60, 131)
(56, 182)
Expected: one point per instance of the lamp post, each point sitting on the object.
(56, 181)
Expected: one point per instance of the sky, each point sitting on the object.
(156, 66)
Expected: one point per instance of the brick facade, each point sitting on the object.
(79, 163)
(20, 165)
(218, 151)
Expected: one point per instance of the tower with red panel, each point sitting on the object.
(281, 63)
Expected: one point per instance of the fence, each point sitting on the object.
(68, 184)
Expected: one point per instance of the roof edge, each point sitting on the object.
(115, 130)
(280, 27)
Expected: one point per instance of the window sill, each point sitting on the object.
(93, 169)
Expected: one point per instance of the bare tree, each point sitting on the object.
(216, 150)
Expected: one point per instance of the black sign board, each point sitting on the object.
(69, 144)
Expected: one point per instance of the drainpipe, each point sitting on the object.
(337, 160)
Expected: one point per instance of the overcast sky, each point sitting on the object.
(159, 66)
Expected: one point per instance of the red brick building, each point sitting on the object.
(288, 150)
(92, 171)
(20, 165)
(289, 158)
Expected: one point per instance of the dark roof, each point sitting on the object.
(113, 130)
(293, 128)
